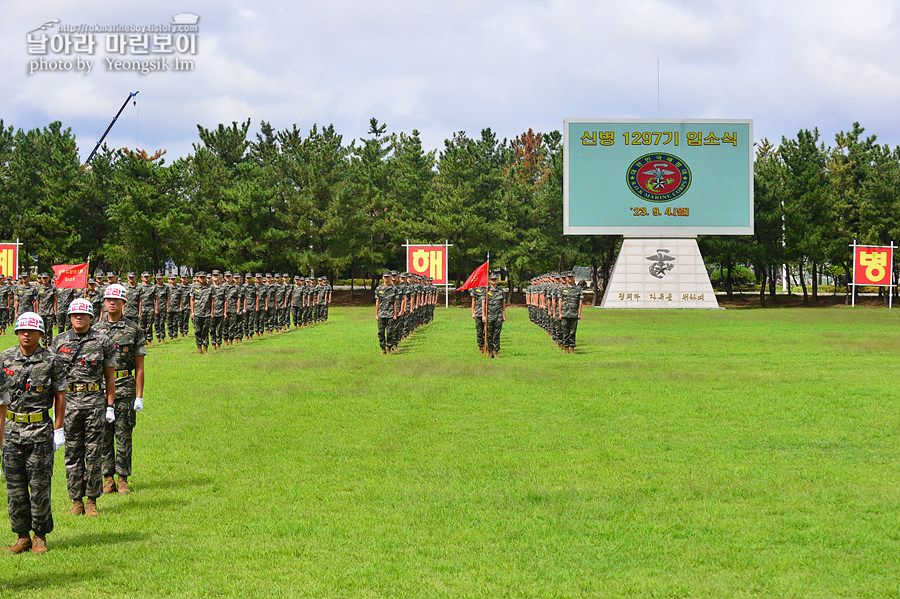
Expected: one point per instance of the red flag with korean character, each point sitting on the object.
(71, 276)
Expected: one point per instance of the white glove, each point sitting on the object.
(59, 438)
(138, 404)
(110, 414)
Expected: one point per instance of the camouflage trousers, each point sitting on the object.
(567, 329)
(47, 337)
(84, 441)
(116, 451)
(62, 321)
(284, 317)
(271, 315)
(147, 320)
(260, 324)
(494, 326)
(385, 331)
(173, 322)
(229, 327)
(4, 317)
(479, 331)
(216, 329)
(249, 323)
(201, 330)
(185, 321)
(29, 466)
(161, 318)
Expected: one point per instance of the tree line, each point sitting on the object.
(294, 202)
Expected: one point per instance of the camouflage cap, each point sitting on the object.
(259, 275)
(110, 274)
(494, 276)
(228, 273)
(131, 273)
(297, 278)
(200, 273)
(386, 274)
(160, 275)
(43, 275)
(92, 281)
(394, 273)
(216, 272)
(248, 275)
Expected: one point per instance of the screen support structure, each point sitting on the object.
(659, 273)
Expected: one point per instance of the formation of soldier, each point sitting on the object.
(229, 308)
(91, 380)
(403, 302)
(554, 303)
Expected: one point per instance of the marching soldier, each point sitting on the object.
(571, 300)
(6, 302)
(478, 294)
(95, 296)
(173, 310)
(162, 306)
(32, 382)
(90, 359)
(132, 304)
(386, 311)
(64, 297)
(496, 315)
(186, 286)
(249, 305)
(46, 295)
(241, 308)
(128, 339)
(297, 302)
(201, 312)
(148, 307)
(26, 296)
(232, 306)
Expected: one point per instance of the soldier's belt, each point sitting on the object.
(27, 418)
(82, 387)
(121, 373)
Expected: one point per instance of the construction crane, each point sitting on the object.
(113, 122)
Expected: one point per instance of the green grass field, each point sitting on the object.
(738, 453)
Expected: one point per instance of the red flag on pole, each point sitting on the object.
(478, 278)
(71, 276)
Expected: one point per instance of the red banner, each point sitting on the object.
(873, 265)
(71, 276)
(478, 278)
(428, 261)
(9, 259)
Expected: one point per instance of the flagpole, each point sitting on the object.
(484, 306)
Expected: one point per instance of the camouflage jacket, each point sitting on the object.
(129, 342)
(85, 356)
(28, 384)
(25, 296)
(202, 295)
(46, 296)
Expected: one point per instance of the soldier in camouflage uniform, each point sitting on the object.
(128, 339)
(241, 315)
(217, 322)
(132, 304)
(284, 306)
(496, 315)
(249, 303)
(32, 382)
(232, 299)
(95, 296)
(478, 294)
(6, 294)
(201, 311)
(173, 310)
(46, 296)
(571, 301)
(262, 293)
(90, 360)
(26, 295)
(147, 306)
(297, 301)
(386, 311)
(64, 297)
(271, 303)
(162, 306)
(328, 291)
(186, 286)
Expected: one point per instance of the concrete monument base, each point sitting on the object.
(660, 272)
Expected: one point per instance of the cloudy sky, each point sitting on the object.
(459, 65)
